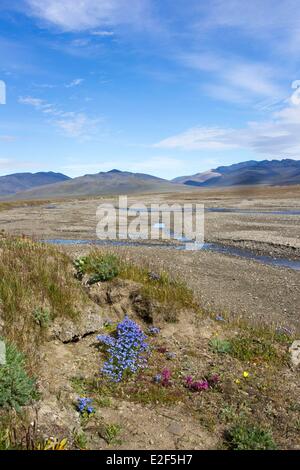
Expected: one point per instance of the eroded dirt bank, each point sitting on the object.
(223, 283)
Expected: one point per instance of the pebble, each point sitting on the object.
(295, 353)
(175, 428)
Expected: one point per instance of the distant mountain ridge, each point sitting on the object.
(46, 185)
(268, 172)
(12, 184)
(113, 182)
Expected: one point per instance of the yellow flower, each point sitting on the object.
(245, 374)
(237, 381)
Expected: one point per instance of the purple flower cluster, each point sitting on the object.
(163, 378)
(126, 351)
(84, 406)
(200, 385)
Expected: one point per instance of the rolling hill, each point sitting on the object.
(267, 172)
(104, 183)
(12, 184)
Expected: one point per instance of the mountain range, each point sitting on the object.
(267, 172)
(11, 184)
(49, 185)
(105, 183)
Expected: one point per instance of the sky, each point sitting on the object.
(162, 87)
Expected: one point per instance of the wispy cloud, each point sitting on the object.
(71, 124)
(87, 14)
(103, 34)
(278, 136)
(74, 83)
(77, 125)
(234, 78)
(258, 19)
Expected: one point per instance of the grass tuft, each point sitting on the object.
(248, 437)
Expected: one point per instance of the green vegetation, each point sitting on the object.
(220, 346)
(111, 434)
(253, 348)
(100, 267)
(248, 437)
(42, 317)
(249, 347)
(80, 440)
(16, 387)
(5, 439)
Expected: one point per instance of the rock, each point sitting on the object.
(170, 355)
(68, 330)
(52, 415)
(175, 428)
(295, 353)
(154, 276)
(98, 293)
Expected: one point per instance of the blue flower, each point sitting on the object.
(126, 351)
(83, 406)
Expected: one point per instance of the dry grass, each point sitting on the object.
(4, 206)
(34, 276)
(164, 290)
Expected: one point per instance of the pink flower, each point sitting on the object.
(213, 380)
(166, 375)
(196, 385)
(201, 385)
(189, 380)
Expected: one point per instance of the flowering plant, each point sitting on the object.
(163, 378)
(200, 385)
(84, 406)
(126, 351)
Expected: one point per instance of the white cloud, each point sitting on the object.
(71, 124)
(103, 34)
(278, 136)
(76, 82)
(77, 125)
(199, 138)
(87, 14)
(35, 102)
(274, 24)
(234, 78)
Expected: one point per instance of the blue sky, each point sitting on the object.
(164, 87)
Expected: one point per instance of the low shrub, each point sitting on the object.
(42, 317)
(249, 437)
(248, 348)
(221, 346)
(16, 387)
(100, 267)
